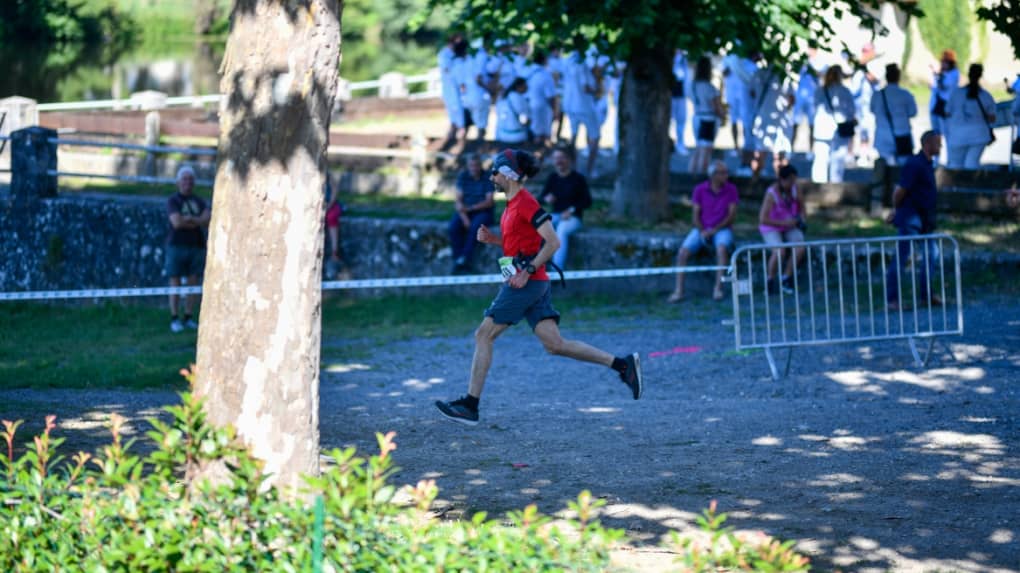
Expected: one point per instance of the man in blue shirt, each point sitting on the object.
(475, 207)
(914, 200)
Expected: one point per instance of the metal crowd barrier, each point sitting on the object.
(847, 291)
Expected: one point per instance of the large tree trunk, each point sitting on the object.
(258, 345)
(642, 183)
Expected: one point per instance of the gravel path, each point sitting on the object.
(869, 464)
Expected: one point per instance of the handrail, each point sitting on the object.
(201, 99)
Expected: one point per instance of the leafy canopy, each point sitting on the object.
(780, 29)
(1005, 17)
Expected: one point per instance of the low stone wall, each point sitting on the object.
(113, 242)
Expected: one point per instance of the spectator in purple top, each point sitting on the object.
(475, 207)
(781, 220)
(715, 207)
(188, 216)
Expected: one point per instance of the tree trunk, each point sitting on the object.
(642, 183)
(258, 344)
(205, 14)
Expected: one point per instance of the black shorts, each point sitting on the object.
(533, 302)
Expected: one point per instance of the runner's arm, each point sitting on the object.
(552, 244)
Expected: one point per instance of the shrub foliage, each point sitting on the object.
(117, 511)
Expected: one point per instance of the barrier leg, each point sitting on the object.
(772, 363)
(789, 356)
(917, 355)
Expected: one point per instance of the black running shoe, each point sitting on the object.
(631, 376)
(458, 411)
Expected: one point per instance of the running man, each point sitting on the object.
(529, 242)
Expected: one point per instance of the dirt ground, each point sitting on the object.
(868, 463)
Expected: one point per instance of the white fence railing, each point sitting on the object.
(430, 78)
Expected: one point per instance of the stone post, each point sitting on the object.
(151, 138)
(148, 100)
(419, 157)
(393, 85)
(32, 155)
(16, 113)
(343, 90)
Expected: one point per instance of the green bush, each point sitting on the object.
(116, 511)
(947, 24)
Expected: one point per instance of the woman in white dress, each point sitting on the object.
(707, 111)
(971, 115)
(834, 127)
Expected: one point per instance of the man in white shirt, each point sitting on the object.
(541, 98)
(579, 104)
(476, 94)
(451, 86)
(893, 107)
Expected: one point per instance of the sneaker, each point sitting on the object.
(631, 376)
(786, 285)
(190, 323)
(176, 325)
(458, 411)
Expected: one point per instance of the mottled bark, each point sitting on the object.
(642, 184)
(258, 344)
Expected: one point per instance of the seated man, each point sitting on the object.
(715, 207)
(474, 209)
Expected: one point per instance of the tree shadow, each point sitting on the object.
(864, 461)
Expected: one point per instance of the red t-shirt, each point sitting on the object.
(519, 235)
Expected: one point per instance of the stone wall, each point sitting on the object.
(113, 242)
(105, 242)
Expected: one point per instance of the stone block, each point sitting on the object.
(148, 100)
(393, 85)
(32, 157)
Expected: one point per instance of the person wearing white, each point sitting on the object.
(735, 94)
(707, 111)
(599, 65)
(579, 90)
(678, 101)
(512, 113)
(557, 67)
(541, 98)
(862, 85)
(970, 115)
(451, 85)
(893, 107)
(476, 91)
(772, 127)
(834, 106)
(804, 100)
(944, 80)
(614, 79)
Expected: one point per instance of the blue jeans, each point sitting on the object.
(912, 228)
(564, 228)
(463, 239)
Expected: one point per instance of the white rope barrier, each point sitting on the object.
(452, 280)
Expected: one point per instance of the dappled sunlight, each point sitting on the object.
(957, 443)
(598, 410)
(420, 385)
(836, 480)
(344, 368)
(966, 352)
(767, 441)
(937, 379)
(1002, 536)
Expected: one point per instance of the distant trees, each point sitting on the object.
(1005, 18)
(63, 21)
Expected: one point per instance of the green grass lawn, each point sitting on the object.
(129, 345)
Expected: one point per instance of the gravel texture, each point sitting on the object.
(868, 463)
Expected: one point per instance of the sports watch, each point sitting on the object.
(530, 268)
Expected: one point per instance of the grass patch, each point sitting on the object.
(108, 345)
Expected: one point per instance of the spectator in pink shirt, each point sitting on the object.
(715, 207)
